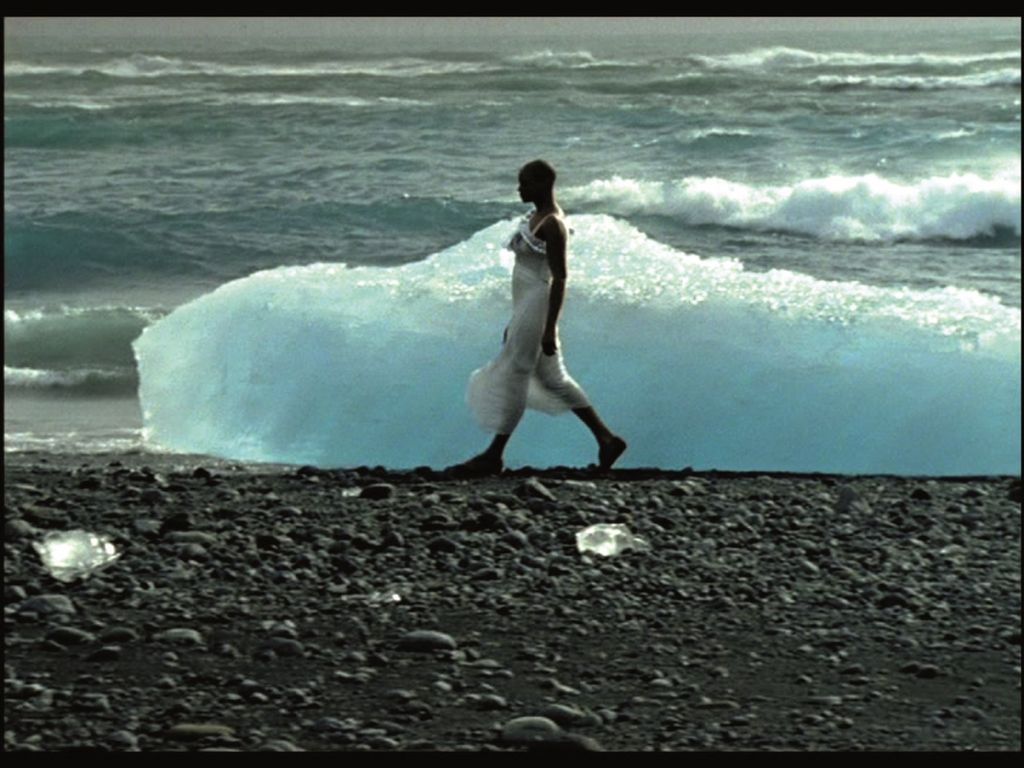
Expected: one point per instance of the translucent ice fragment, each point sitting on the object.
(608, 539)
(70, 554)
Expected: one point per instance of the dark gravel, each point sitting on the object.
(280, 608)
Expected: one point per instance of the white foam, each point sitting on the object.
(35, 378)
(867, 207)
(695, 361)
(785, 57)
(1002, 77)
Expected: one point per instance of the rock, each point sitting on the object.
(192, 537)
(927, 672)
(47, 605)
(18, 529)
(123, 739)
(106, 653)
(488, 702)
(179, 636)
(426, 640)
(1014, 493)
(528, 730)
(284, 646)
(118, 635)
(179, 521)
(566, 716)
(443, 544)
(154, 496)
(92, 702)
(279, 745)
(193, 552)
(378, 491)
(69, 636)
(534, 488)
(920, 494)
(195, 731)
(851, 501)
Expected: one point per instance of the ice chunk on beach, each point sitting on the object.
(68, 555)
(608, 539)
(695, 361)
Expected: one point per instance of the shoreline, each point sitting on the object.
(166, 461)
(276, 607)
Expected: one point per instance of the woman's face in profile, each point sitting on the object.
(526, 187)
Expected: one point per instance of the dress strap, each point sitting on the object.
(539, 225)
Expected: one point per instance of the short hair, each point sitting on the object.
(542, 171)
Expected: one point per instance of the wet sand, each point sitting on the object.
(289, 608)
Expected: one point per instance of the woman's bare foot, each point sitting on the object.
(479, 466)
(610, 451)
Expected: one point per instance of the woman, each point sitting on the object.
(529, 371)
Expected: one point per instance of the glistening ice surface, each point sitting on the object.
(695, 361)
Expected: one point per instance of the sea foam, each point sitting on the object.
(866, 207)
(695, 361)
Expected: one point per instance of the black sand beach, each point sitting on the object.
(285, 608)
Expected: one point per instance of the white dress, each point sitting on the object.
(522, 376)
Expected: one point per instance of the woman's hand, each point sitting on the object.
(548, 343)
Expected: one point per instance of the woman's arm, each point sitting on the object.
(553, 233)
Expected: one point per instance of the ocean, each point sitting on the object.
(794, 246)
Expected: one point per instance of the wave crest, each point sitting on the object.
(861, 208)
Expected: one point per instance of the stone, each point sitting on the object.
(18, 529)
(378, 491)
(179, 636)
(48, 604)
(195, 731)
(69, 636)
(527, 730)
(118, 635)
(426, 640)
(566, 716)
(534, 488)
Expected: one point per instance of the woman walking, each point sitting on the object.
(529, 372)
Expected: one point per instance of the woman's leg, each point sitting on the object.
(610, 445)
(487, 463)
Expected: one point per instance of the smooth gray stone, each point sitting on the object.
(69, 636)
(426, 640)
(48, 604)
(106, 653)
(526, 730)
(193, 731)
(118, 635)
(534, 488)
(18, 529)
(378, 491)
(179, 636)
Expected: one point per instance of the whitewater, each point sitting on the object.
(697, 361)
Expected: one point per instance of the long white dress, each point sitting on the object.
(522, 376)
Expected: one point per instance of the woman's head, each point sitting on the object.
(536, 180)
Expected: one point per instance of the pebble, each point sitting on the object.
(526, 730)
(106, 653)
(195, 731)
(69, 636)
(534, 488)
(378, 491)
(118, 635)
(18, 529)
(568, 716)
(426, 640)
(179, 636)
(279, 745)
(48, 604)
(487, 702)
(284, 646)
